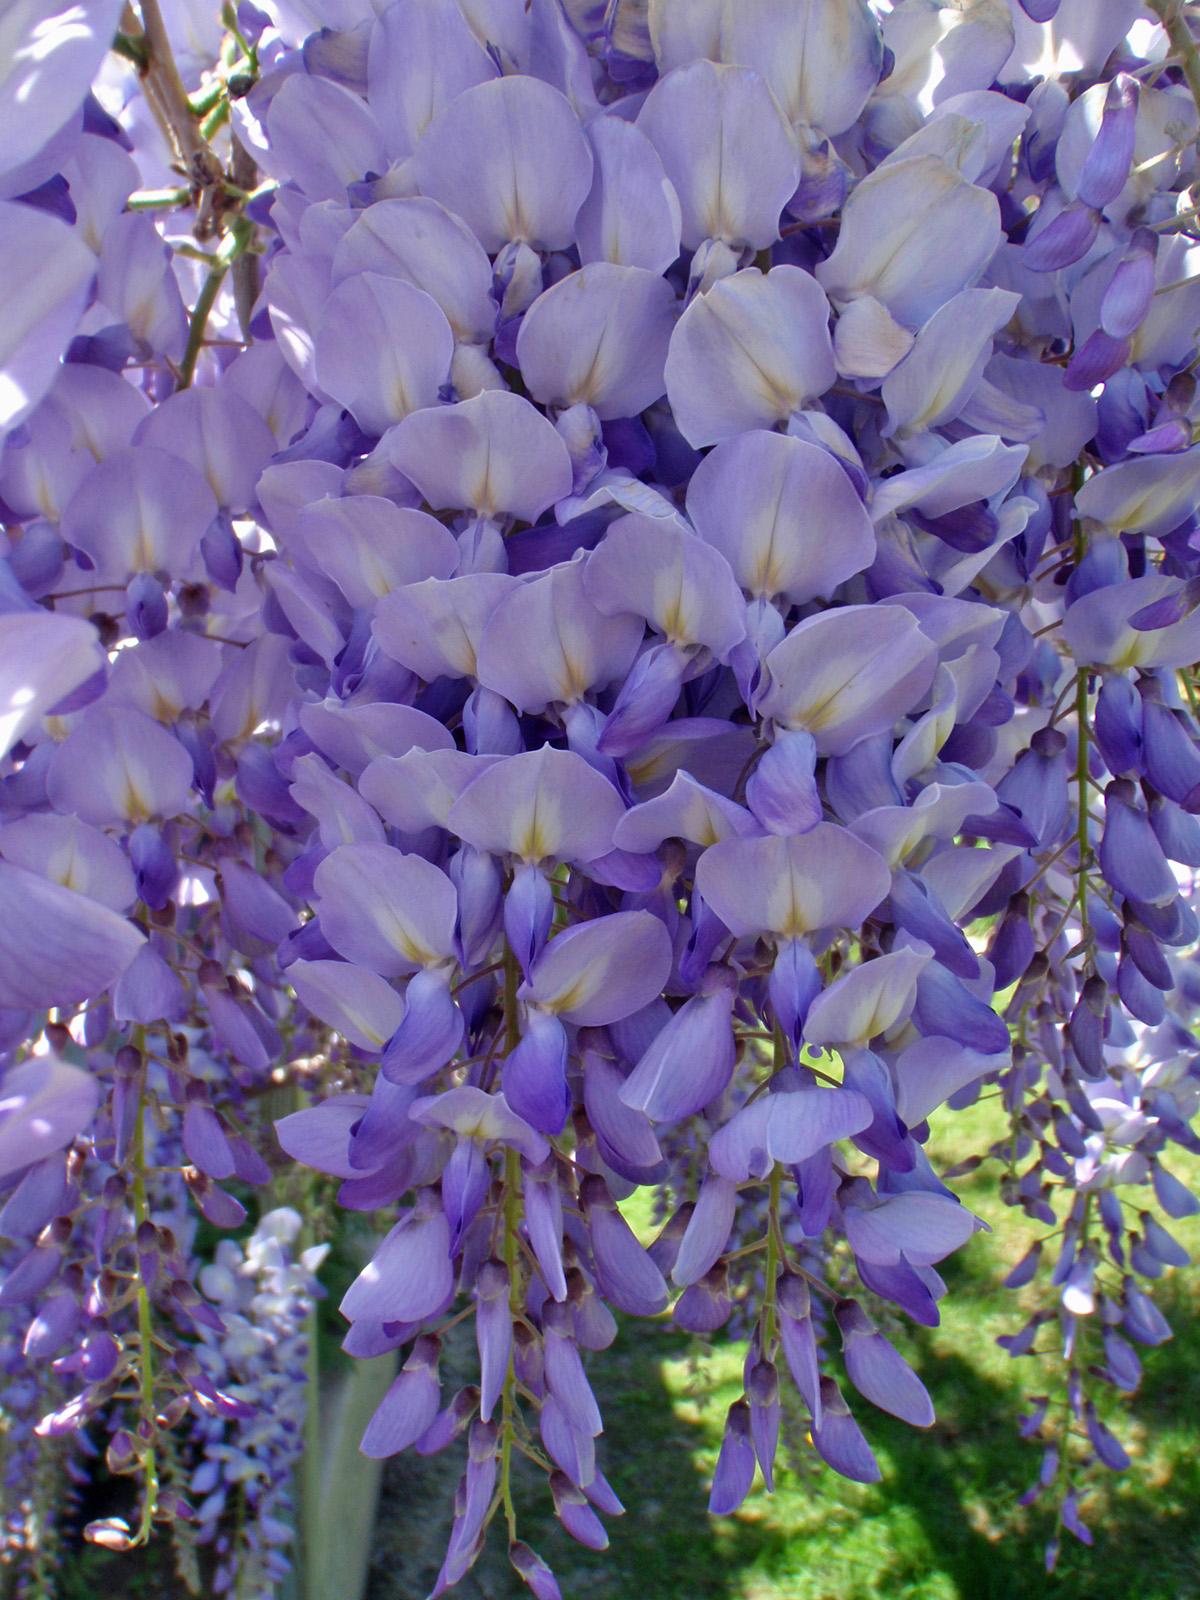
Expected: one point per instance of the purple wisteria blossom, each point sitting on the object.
(593, 598)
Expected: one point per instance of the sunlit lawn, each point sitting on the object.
(943, 1524)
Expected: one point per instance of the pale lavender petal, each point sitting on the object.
(360, 1005)
(57, 947)
(421, 57)
(783, 513)
(599, 337)
(387, 911)
(540, 805)
(941, 371)
(682, 586)
(370, 547)
(140, 510)
(52, 52)
(433, 628)
(118, 765)
(418, 240)
(383, 349)
(601, 971)
(727, 151)
(787, 1128)
(44, 1103)
(47, 272)
(355, 735)
(930, 1071)
(632, 214)
(42, 659)
(484, 156)
(685, 810)
(546, 643)
(922, 1227)
(322, 137)
(846, 674)
(1098, 628)
(825, 878)
(217, 433)
(748, 353)
(913, 233)
(1150, 496)
(495, 455)
(627, 1276)
(469, 1111)
(868, 1000)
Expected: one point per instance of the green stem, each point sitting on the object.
(205, 301)
(158, 199)
(145, 1317)
(508, 1399)
(1170, 14)
(772, 1266)
(512, 1223)
(1082, 742)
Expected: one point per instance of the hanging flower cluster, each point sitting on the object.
(609, 592)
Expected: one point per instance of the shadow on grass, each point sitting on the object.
(962, 1479)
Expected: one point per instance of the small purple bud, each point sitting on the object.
(762, 1391)
(735, 1464)
(576, 1515)
(534, 1571)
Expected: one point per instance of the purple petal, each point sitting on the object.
(749, 353)
(483, 156)
(602, 971)
(627, 1276)
(430, 1031)
(821, 879)
(495, 455)
(846, 674)
(385, 910)
(785, 1127)
(410, 1276)
(361, 1006)
(57, 947)
(44, 1104)
(599, 338)
(319, 1137)
(708, 1230)
(689, 1063)
(540, 805)
(880, 1374)
(535, 1075)
(409, 1406)
(727, 151)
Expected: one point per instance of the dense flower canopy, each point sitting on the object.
(594, 597)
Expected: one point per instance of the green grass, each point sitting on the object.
(944, 1524)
